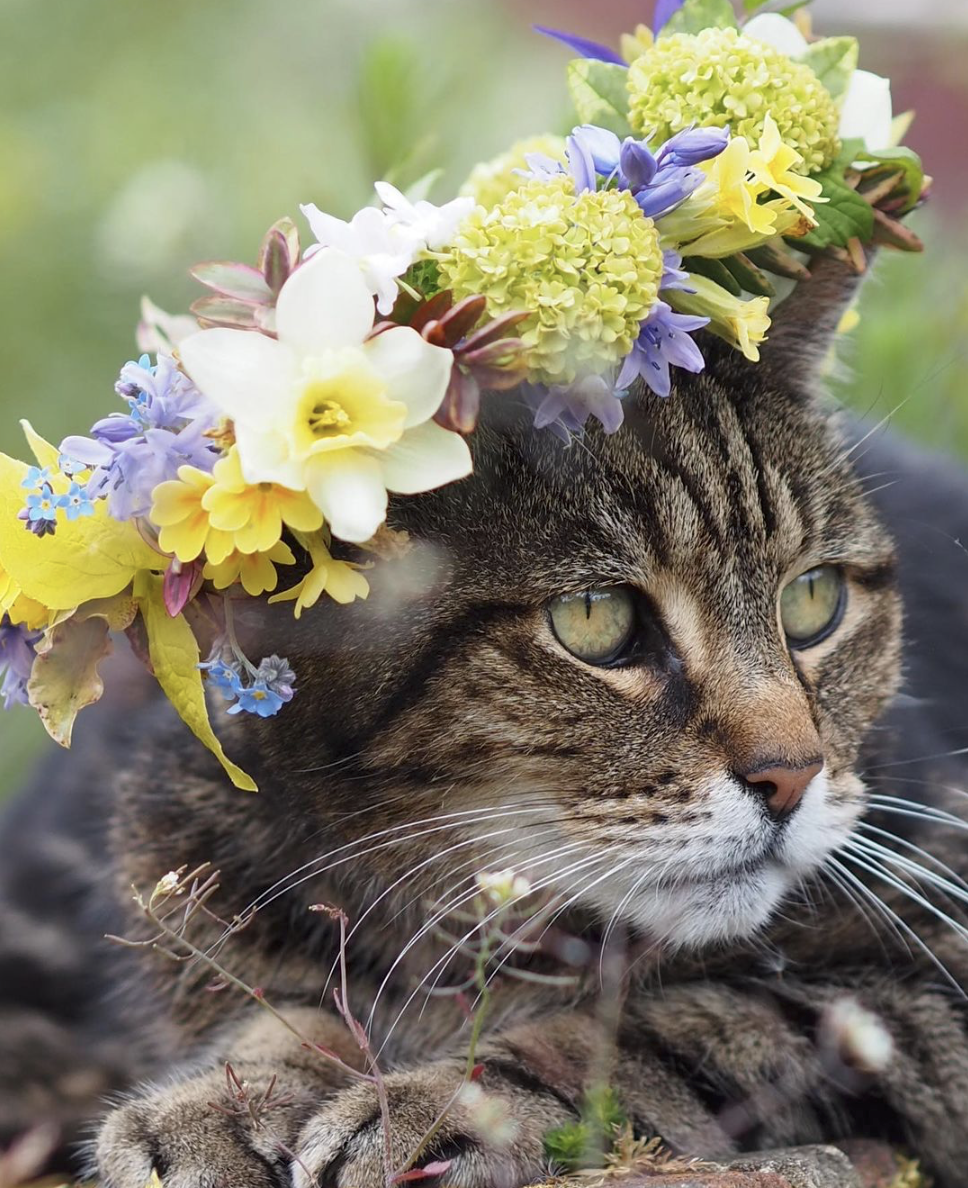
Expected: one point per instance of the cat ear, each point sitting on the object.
(805, 323)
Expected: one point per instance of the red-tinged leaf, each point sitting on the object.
(279, 253)
(477, 1072)
(258, 992)
(224, 311)
(240, 281)
(181, 584)
(463, 317)
(894, 234)
(499, 379)
(432, 309)
(493, 330)
(265, 319)
(435, 333)
(461, 404)
(505, 352)
(138, 642)
(423, 1173)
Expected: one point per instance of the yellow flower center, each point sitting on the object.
(343, 402)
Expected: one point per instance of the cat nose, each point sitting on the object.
(782, 785)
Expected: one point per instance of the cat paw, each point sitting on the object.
(182, 1133)
(492, 1135)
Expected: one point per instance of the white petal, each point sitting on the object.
(415, 372)
(249, 376)
(867, 111)
(777, 31)
(392, 198)
(425, 457)
(324, 305)
(347, 487)
(264, 455)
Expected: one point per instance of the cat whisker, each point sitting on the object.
(867, 827)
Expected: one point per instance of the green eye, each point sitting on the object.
(595, 625)
(812, 605)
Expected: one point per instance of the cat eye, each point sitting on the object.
(596, 625)
(812, 605)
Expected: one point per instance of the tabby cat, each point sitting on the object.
(661, 674)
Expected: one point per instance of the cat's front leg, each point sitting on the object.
(204, 1129)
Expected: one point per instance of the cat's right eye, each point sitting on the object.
(597, 626)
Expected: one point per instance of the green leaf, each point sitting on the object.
(833, 60)
(421, 188)
(239, 281)
(845, 216)
(896, 160)
(581, 1144)
(696, 15)
(749, 278)
(750, 6)
(714, 270)
(599, 91)
(790, 9)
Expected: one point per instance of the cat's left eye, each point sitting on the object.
(596, 625)
(812, 605)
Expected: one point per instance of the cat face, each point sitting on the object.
(602, 665)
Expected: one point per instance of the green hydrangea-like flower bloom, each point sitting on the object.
(586, 267)
(491, 181)
(719, 77)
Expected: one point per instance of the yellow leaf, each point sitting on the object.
(43, 451)
(64, 678)
(174, 655)
(91, 557)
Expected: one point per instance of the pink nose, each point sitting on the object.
(782, 786)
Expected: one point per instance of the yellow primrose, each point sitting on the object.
(256, 571)
(177, 510)
(772, 165)
(341, 580)
(737, 189)
(253, 514)
(327, 409)
(742, 323)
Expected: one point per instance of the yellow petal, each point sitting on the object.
(174, 655)
(91, 557)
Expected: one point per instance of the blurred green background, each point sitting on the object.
(136, 139)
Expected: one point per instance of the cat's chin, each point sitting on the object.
(693, 915)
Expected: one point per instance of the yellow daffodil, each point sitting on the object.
(772, 166)
(256, 571)
(326, 409)
(254, 513)
(177, 510)
(341, 580)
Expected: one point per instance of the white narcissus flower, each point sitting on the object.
(865, 110)
(325, 410)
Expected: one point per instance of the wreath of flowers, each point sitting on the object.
(710, 163)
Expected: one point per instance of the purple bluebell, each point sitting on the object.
(17, 651)
(659, 182)
(76, 502)
(664, 11)
(222, 676)
(278, 676)
(259, 699)
(663, 342)
(565, 408)
(131, 453)
(674, 276)
(581, 45)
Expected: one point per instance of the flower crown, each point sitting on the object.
(711, 162)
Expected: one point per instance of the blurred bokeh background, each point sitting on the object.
(136, 139)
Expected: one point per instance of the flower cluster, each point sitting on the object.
(260, 440)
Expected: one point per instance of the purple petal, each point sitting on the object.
(666, 194)
(582, 46)
(674, 275)
(664, 11)
(602, 146)
(550, 409)
(581, 165)
(693, 146)
(83, 449)
(637, 163)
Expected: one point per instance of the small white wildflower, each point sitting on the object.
(433, 226)
(490, 1115)
(167, 883)
(858, 1035)
(503, 886)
